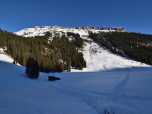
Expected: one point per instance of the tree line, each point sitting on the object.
(78, 41)
(57, 55)
(100, 38)
(129, 43)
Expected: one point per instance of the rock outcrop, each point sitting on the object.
(117, 29)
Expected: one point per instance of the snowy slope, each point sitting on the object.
(31, 32)
(38, 31)
(99, 59)
(96, 57)
(5, 58)
(20, 95)
(119, 91)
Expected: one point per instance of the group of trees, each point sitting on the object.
(66, 51)
(100, 38)
(78, 41)
(135, 45)
(131, 44)
(58, 55)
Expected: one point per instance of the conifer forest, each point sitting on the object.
(60, 54)
(55, 56)
(135, 45)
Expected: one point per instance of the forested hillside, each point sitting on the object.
(135, 45)
(53, 56)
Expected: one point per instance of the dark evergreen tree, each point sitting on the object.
(61, 67)
(32, 68)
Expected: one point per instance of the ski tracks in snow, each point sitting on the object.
(119, 88)
(94, 98)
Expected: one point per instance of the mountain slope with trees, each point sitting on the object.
(54, 56)
(58, 51)
(129, 43)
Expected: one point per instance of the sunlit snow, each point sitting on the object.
(111, 82)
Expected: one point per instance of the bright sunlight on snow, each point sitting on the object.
(109, 83)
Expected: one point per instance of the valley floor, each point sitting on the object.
(127, 91)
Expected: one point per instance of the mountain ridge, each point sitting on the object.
(83, 31)
(118, 29)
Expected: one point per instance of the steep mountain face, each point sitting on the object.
(97, 58)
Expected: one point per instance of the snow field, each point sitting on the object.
(123, 90)
(98, 59)
(20, 94)
(5, 58)
(111, 94)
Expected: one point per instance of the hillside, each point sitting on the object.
(97, 58)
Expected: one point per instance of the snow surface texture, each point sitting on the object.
(99, 59)
(4, 57)
(119, 91)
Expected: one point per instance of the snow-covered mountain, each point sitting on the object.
(83, 31)
(97, 58)
(121, 90)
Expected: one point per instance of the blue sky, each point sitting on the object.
(133, 15)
